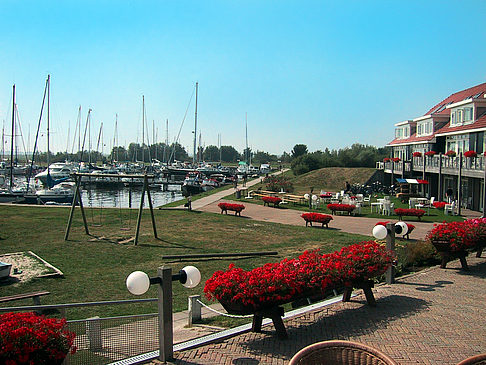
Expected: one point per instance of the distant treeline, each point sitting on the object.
(301, 160)
(358, 155)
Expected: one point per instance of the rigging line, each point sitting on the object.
(78, 121)
(182, 124)
(84, 139)
(21, 133)
(36, 137)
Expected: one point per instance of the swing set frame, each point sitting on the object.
(77, 198)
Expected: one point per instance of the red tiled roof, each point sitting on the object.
(413, 138)
(459, 96)
(479, 123)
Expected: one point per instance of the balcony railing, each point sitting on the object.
(432, 164)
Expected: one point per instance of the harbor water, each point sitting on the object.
(128, 197)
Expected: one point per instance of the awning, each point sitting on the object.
(412, 181)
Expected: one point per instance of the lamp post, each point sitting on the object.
(139, 282)
(381, 232)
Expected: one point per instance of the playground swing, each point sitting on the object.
(100, 213)
(77, 178)
(124, 227)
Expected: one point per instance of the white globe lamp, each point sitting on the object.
(138, 283)
(379, 232)
(192, 277)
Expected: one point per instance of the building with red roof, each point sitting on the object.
(432, 147)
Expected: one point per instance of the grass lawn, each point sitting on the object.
(96, 269)
(435, 215)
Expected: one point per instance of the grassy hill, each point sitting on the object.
(331, 178)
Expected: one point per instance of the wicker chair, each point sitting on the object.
(340, 353)
(474, 360)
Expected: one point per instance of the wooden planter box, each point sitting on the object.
(446, 254)
(366, 285)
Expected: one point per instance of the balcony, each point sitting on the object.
(471, 167)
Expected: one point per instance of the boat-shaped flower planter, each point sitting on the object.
(274, 311)
(366, 285)
(447, 254)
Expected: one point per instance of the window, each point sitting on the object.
(468, 114)
(453, 117)
(425, 128)
(460, 116)
(402, 132)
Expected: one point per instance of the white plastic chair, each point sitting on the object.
(386, 208)
(450, 208)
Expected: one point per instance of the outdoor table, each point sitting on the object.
(378, 206)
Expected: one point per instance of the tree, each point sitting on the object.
(299, 150)
(306, 163)
(211, 153)
(246, 155)
(229, 154)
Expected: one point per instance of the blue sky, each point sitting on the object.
(322, 73)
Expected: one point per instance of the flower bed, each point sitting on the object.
(316, 217)
(439, 205)
(277, 283)
(26, 338)
(410, 228)
(417, 154)
(341, 208)
(430, 153)
(451, 153)
(237, 208)
(401, 212)
(275, 200)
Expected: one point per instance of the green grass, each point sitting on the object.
(435, 215)
(96, 269)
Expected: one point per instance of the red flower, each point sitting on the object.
(439, 205)
(396, 159)
(271, 199)
(386, 159)
(470, 154)
(26, 338)
(417, 154)
(277, 283)
(409, 212)
(341, 207)
(232, 207)
(430, 153)
(460, 235)
(451, 153)
(317, 217)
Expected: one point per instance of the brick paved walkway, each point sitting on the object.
(346, 223)
(436, 316)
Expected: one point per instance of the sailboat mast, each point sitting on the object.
(12, 139)
(79, 129)
(166, 140)
(143, 129)
(219, 140)
(48, 116)
(115, 140)
(195, 130)
(246, 134)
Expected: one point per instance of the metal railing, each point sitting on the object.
(434, 162)
(102, 341)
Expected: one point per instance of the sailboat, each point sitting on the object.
(55, 190)
(13, 192)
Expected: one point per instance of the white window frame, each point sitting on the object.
(425, 128)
